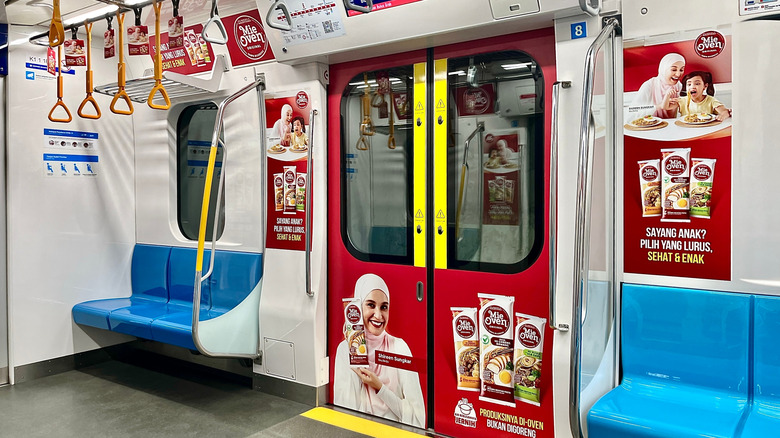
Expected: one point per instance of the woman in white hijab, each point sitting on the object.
(380, 390)
(663, 90)
(283, 127)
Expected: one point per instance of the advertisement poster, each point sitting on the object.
(247, 42)
(677, 170)
(501, 158)
(378, 5)
(379, 363)
(288, 147)
(195, 57)
(474, 101)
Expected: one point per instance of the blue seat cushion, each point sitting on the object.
(176, 328)
(149, 271)
(235, 276)
(181, 271)
(136, 320)
(95, 313)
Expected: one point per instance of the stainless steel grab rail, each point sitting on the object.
(199, 277)
(307, 219)
(582, 225)
(463, 176)
(553, 212)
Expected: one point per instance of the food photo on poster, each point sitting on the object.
(501, 157)
(677, 107)
(374, 371)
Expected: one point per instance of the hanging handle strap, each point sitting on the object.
(56, 30)
(216, 21)
(89, 98)
(158, 86)
(273, 22)
(121, 93)
(59, 103)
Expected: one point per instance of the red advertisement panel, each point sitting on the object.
(287, 177)
(501, 179)
(473, 101)
(195, 57)
(378, 5)
(247, 42)
(677, 169)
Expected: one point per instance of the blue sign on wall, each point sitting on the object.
(579, 30)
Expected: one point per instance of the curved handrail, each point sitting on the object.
(59, 103)
(121, 78)
(56, 29)
(553, 219)
(309, 217)
(204, 212)
(218, 22)
(364, 9)
(463, 172)
(582, 225)
(89, 98)
(271, 20)
(158, 85)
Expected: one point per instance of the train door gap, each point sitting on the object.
(430, 254)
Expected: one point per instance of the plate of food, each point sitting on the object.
(296, 148)
(276, 149)
(646, 122)
(698, 118)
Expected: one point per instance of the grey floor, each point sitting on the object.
(121, 399)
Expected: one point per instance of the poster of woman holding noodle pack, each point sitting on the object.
(677, 169)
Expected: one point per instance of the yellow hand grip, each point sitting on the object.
(56, 30)
(158, 86)
(60, 103)
(89, 98)
(121, 93)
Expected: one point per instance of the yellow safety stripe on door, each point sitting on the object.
(420, 163)
(440, 163)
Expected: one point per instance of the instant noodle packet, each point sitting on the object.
(464, 330)
(702, 174)
(675, 185)
(529, 340)
(289, 190)
(496, 348)
(300, 195)
(355, 333)
(279, 191)
(650, 184)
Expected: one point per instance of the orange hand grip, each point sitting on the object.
(89, 98)
(56, 30)
(121, 93)
(60, 103)
(158, 86)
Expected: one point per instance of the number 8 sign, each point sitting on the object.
(579, 30)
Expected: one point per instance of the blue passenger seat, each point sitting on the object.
(160, 306)
(764, 417)
(685, 363)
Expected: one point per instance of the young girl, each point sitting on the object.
(299, 139)
(700, 97)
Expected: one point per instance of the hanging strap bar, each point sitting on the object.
(216, 21)
(59, 103)
(89, 98)
(158, 85)
(273, 22)
(307, 220)
(121, 93)
(56, 31)
(204, 213)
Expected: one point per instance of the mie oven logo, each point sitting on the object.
(702, 172)
(465, 327)
(649, 173)
(302, 99)
(675, 165)
(353, 314)
(496, 320)
(529, 336)
(709, 44)
(250, 37)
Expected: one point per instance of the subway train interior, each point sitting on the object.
(207, 205)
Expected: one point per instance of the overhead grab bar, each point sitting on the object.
(553, 219)
(59, 103)
(204, 212)
(158, 85)
(89, 98)
(121, 80)
(307, 219)
(273, 22)
(215, 20)
(464, 168)
(586, 6)
(364, 9)
(582, 224)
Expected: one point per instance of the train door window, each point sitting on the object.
(495, 162)
(193, 137)
(376, 165)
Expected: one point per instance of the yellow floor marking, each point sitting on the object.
(357, 424)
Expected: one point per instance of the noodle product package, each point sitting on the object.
(529, 340)
(279, 191)
(650, 183)
(496, 348)
(300, 195)
(702, 174)
(137, 40)
(75, 54)
(354, 332)
(289, 189)
(675, 185)
(464, 330)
